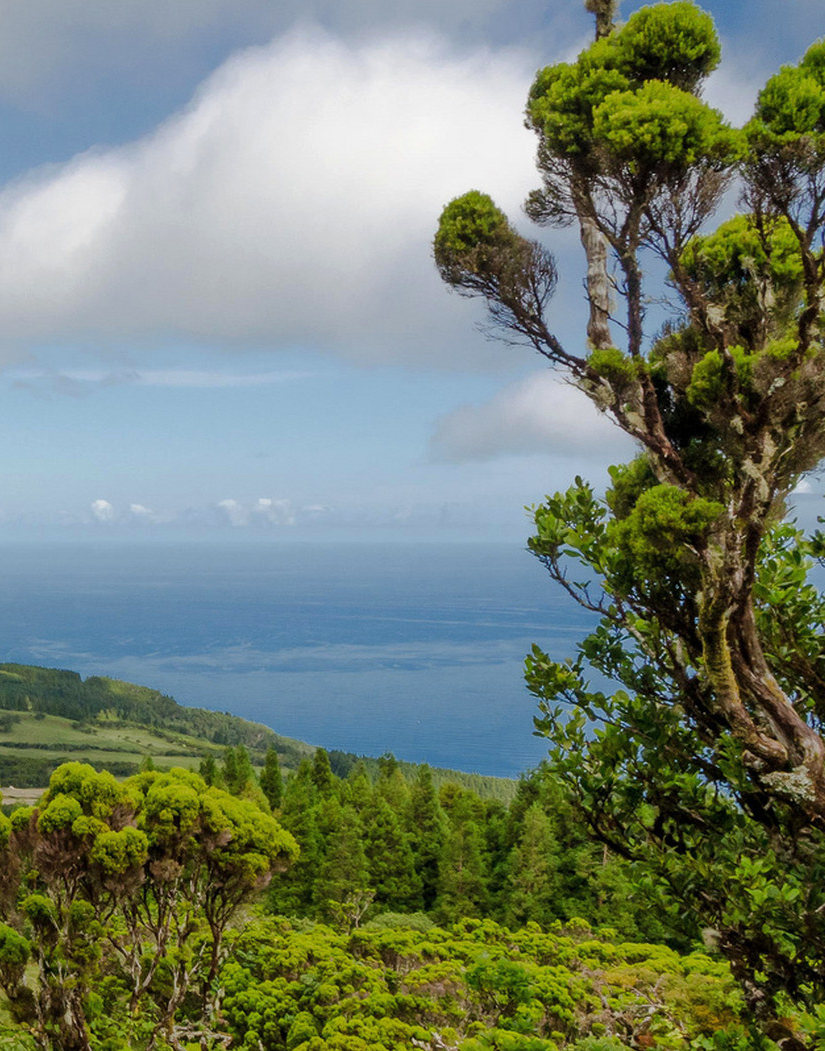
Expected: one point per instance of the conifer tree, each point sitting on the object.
(392, 784)
(427, 827)
(390, 860)
(534, 887)
(462, 871)
(341, 891)
(238, 774)
(322, 776)
(272, 784)
(291, 892)
(208, 769)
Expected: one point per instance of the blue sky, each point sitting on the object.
(218, 312)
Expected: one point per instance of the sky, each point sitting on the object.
(219, 315)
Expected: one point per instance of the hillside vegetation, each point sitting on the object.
(49, 716)
(396, 917)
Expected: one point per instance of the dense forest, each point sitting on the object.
(388, 845)
(182, 910)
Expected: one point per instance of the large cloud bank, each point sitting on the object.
(291, 204)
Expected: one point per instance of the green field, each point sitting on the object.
(36, 743)
(51, 716)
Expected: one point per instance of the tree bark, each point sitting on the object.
(598, 283)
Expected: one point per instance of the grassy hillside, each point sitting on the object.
(49, 716)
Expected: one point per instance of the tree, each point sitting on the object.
(238, 774)
(390, 858)
(291, 891)
(272, 784)
(532, 866)
(120, 895)
(208, 769)
(707, 764)
(322, 776)
(425, 819)
(341, 888)
(462, 870)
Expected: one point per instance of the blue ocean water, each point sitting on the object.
(415, 649)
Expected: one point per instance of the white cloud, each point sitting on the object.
(292, 203)
(541, 414)
(274, 512)
(264, 511)
(142, 513)
(102, 511)
(733, 89)
(236, 513)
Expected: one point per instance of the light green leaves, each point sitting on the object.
(60, 813)
(660, 126)
(474, 239)
(673, 42)
(792, 103)
(628, 99)
(117, 852)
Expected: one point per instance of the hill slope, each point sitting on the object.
(49, 716)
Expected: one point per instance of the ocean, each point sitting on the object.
(414, 649)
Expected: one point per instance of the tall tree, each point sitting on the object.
(391, 783)
(532, 873)
(462, 870)
(390, 860)
(291, 891)
(710, 756)
(322, 776)
(427, 826)
(272, 784)
(341, 890)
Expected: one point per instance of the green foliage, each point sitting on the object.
(272, 784)
(635, 777)
(697, 754)
(462, 878)
(474, 231)
(321, 771)
(120, 894)
(659, 126)
(792, 103)
(611, 363)
(673, 42)
(473, 986)
(15, 951)
(367, 848)
(118, 851)
(628, 99)
(751, 271)
(657, 540)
